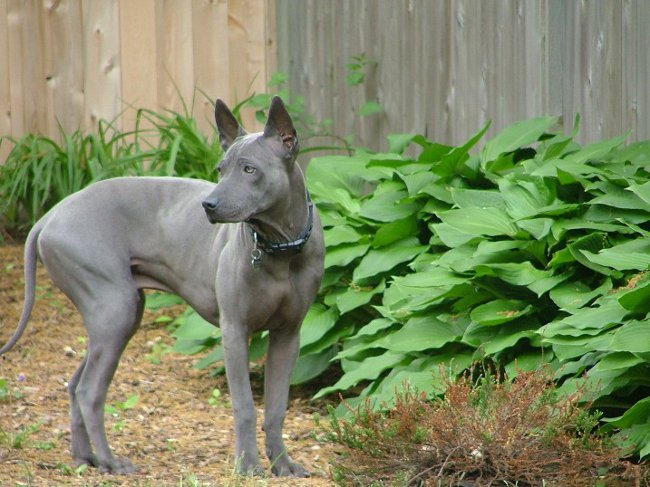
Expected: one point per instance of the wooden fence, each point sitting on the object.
(441, 67)
(74, 62)
(444, 67)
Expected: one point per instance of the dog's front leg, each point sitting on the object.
(283, 351)
(235, 343)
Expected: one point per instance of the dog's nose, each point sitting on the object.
(210, 205)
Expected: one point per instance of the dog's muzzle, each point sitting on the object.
(210, 206)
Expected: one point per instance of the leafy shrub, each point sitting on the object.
(39, 172)
(485, 431)
(534, 251)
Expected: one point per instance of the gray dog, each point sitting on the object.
(259, 268)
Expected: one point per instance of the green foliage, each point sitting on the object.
(533, 251)
(39, 172)
(118, 408)
(19, 438)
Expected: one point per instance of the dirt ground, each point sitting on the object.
(172, 433)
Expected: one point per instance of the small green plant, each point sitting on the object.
(485, 429)
(7, 392)
(216, 398)
(158, 350)
(70, 471)
(117, 408)
(18, 439)
(357, 72)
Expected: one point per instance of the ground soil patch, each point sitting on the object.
(172, 433)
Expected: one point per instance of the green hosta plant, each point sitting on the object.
(534, 250)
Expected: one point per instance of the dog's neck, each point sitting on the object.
(289, 222)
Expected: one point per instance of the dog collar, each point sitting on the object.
(261, 244)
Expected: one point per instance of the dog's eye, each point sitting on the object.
(249, 169)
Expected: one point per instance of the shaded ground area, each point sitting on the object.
(172, 432)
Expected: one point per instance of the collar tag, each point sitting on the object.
(256, 254)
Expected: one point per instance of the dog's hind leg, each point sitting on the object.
(110, 324)
(109, 331)
(82, 451)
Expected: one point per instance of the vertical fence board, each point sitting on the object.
(5, 85)
(641, 102)
(102, 74)
(64, 66)
(247, 44)
(138, 63)
(174, 54)
(211, 56)
(26, 67)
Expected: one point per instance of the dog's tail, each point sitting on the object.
(31, 256)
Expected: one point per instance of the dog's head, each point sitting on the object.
(254, 174)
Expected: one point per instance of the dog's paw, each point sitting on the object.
(285, 467)
(251, 470)
(118, 466)
(90, 460)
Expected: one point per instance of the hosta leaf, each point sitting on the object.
(340, 234)
(641, 190)
(344, 254)
(394, 231)
(369, 369)
(520, 134)
(479, 221)
(500, 311)
(312, 365)
(472, 198)
(537, 227)
(493, 340)
(638, 298)
(398, 142)
(375, 326)
(425, 375)
(319, 320)
(328, 173)
(596, 318)
(384, 259)
(545, 284)
(196, 328)
(619, 259)
(639, 413)
(450, 163)
(450, 236)
(417, 181)
(617, 197)
(524, 198)
(389, 206)
(575, 294)
(633, 336)
(354, 297)
(422, 333)
(597, 150)
(636, 438)
(618, 360)
(517, 273)
(592, 243)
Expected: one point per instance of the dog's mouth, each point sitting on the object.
(231, 216)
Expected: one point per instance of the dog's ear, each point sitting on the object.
(280, 127)
(227, 125)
